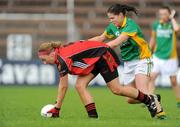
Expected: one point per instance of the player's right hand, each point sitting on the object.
(54, 111)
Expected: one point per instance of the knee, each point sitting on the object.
(117, 91)
(173, 83)
(79, 86)
(152, 79)
(64, 87)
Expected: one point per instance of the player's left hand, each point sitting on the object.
(173, 12)
(54, 111)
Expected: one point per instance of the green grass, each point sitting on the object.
(20, 107)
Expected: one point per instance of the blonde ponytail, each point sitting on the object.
(49, 45)
(56, 44)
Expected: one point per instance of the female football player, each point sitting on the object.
(125, 33)
(87, 59)
(163, 43)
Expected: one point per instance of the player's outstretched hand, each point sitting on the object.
(54, 111)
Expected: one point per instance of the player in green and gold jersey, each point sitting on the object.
(126, 34)
(163, 43)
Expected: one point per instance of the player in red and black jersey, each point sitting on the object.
(87, 59)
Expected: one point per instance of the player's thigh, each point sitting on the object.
(114, 84)
(83, 81)
(142, 74)
(107, 69)
(111, 78)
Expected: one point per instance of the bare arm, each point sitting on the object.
(176, 27)
(152, 42)
(62, 88)
(100, 38)
(118, 41)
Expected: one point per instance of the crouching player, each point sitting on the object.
(87, 59)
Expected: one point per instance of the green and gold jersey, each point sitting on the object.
(165, 40)
(135, 47)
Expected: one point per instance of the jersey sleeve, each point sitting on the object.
(63, 72)
(108, 32)
(130, 29)
(64, 68)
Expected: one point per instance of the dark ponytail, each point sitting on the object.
(121, 8)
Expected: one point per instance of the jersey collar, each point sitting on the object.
(124, 22)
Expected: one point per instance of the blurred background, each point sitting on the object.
(25, 24)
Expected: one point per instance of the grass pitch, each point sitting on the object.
(20, 107)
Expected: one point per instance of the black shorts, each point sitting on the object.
(103, 68)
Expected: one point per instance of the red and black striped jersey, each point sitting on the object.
(79, 58)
